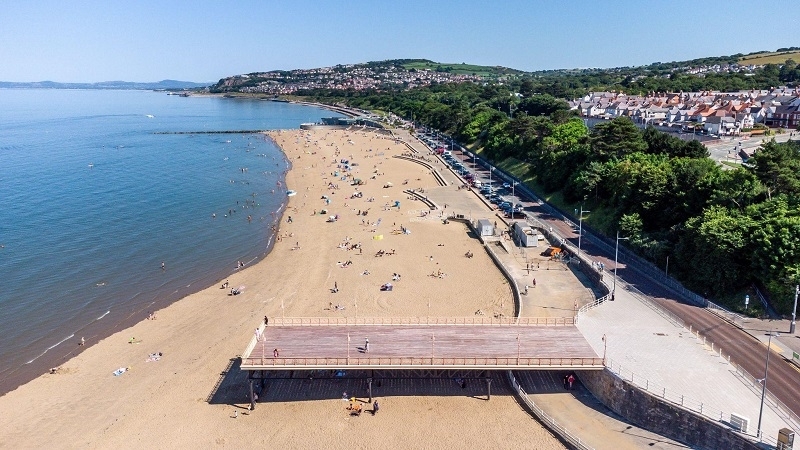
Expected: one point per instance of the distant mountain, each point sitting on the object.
(164, 84)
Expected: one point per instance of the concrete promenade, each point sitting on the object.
(642, 345)
(556, 295)
(670, 361)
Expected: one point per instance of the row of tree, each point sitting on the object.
(721, 229)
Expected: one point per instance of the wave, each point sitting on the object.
(52, 347)
(67, 338)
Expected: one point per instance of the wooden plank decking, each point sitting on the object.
(411, 346)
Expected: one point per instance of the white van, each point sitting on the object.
(477, 183)
(447, 153)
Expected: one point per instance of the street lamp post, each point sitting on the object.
(794, 310)
(580, 227)
(605, 347)
(764, 385)
(513, 185)
(616, 255)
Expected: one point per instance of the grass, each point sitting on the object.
(770, 58)
(731, 164)
(600, 218)
(735, 303)
(462, 69)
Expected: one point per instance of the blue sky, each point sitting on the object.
(89, 41)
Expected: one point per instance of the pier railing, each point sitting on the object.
(439, 321)
(268, 361)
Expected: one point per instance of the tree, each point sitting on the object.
(776, 241)
(662, 143)
(712, 252)
(777, 166)
(789, 72)
(616, 139)
(735, 189)
(542, 104)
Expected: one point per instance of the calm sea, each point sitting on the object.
(93, 200)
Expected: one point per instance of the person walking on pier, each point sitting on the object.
(366, 346)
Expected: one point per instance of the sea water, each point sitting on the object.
(98, 189)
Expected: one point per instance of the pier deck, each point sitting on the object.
(484, 344)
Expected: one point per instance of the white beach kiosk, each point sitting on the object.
(524, 235)
(484, 227)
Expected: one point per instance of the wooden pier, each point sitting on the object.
(491, 344)
(428, 346)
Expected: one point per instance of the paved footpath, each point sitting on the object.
(555, 296)
(668, 360)
(643, 346)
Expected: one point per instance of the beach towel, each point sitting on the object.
(120, 371)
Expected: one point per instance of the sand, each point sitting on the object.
(195, 394)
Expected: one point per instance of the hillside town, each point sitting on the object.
(709, 112)
(340, 77)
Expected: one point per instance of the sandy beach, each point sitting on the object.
(325, 264)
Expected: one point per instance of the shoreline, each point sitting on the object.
(182, 393)
(126, 317)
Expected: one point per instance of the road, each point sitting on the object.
(744, 350)
(727, 149)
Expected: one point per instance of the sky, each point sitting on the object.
(203, 41)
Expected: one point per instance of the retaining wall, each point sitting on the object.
(651, 413)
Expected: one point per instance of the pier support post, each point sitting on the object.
(369, 387)
(488, 389)
(252, 393)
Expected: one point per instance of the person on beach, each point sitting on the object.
(266, 320)
(375, 408)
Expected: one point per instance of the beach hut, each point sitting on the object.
(484, 227)
(524, 235)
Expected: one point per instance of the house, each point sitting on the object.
(784, 116)
(721, 125)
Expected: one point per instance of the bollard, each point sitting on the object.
(681, 400)
(664, 393)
